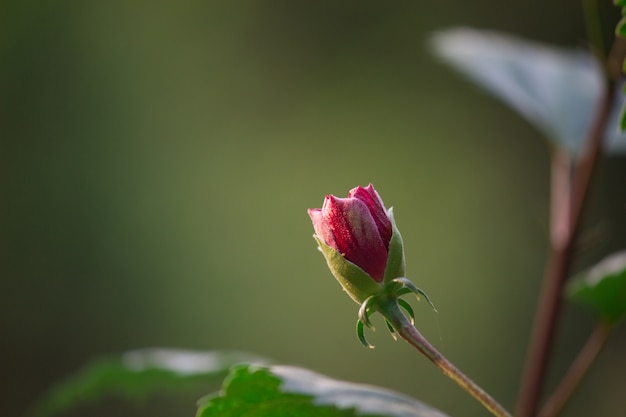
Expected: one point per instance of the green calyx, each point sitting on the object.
(388, 298)
(396, 264)
(356, 282)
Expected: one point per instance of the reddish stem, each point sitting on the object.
(560, 257)
(577, 371)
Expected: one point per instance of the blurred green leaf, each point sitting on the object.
(603, 288)
(555, 89)
(620, 29)
(137, 374)
(285, 391)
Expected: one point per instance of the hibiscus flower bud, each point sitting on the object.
(358, 237)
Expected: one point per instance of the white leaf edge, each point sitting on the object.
(365, 399)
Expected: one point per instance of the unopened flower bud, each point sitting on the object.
(358, 237)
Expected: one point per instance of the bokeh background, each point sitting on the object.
(157, 160)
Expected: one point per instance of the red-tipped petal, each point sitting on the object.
(322, 229)
(356, 234)
(374, 203)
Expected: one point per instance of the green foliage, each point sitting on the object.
(603, 288)
(555, 89)
(285, 391)
(620, 30)
(138, 374)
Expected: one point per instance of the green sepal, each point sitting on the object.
(365, 311)
(407, 307)
(356, 282)
(392, 331)
(396, 264)
(619, 3)
(406, 283)
(361, 335)
(389, 294)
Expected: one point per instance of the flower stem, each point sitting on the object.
(577, 370)
(403, 326)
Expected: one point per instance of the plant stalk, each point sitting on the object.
(403, 326)
(577, 370)
(560, 257)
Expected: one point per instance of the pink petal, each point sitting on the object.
(372, 200)
(321, 227)
(356, 234)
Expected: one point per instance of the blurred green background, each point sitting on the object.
(157, 160)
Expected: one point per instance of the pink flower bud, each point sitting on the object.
(359, 227)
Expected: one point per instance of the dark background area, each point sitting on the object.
(157, 160)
